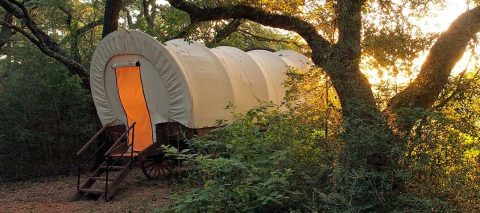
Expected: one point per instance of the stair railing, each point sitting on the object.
(85, 147)
(108, 155)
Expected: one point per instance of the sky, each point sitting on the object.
(435, 23)
(443, 17)
(162, 2)
(440, 22)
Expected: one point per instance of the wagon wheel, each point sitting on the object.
(156, 167)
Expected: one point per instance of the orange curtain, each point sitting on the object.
(130, 90)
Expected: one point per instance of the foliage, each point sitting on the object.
(240, 169)
(302, 156)
(268, 149)
(304, 167)
(443, 153)
(254, 36)
(46, 116)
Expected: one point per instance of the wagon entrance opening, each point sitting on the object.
(132, 98)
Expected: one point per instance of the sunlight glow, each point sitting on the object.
(161, 2)
(438, 22)
(443, 16)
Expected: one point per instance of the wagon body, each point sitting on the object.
(180, 84)
(148, 94)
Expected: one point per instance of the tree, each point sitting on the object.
(41, 39)
(370, 134)
(36, 35)
(433, 77)
(5, 32)
(111, 15)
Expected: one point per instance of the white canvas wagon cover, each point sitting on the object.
(187, 82)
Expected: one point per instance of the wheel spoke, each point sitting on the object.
(157, 171)
(163, 168)
(151, 168)
(156, 167)
(149, 164)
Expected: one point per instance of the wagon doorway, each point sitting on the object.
(132, 98)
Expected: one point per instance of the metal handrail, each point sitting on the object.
(90, 142)
(108, 156)
(120, 138)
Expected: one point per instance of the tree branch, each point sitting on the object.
(261, 38)
(149, 16)
(89, 26)
(434, 73)
(316, 42)
(10, 7)
(225, 32)
(43, 41)
(129, 18)
(32, 26)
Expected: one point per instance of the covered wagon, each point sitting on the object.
(148, 91)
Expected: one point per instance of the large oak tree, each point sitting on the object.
(371, 134)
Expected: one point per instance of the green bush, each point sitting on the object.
(263, 161)
(240, 170)
(271, 161)
(45, 117)
(443, 157)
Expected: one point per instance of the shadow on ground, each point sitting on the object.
(137, 194)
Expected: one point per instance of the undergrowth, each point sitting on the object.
(275, 160)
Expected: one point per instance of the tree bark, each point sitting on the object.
(352, 86)
(111, 15)
(5, 32)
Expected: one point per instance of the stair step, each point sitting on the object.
(125, 155)
(93, 191)
(113, 168)
(102, 178)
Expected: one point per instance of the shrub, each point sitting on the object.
(45, 117)
(271, 161)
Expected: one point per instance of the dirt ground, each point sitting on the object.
(136, 194)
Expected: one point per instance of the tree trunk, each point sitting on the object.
(149, 14)
(6, 32)
(366, 155)
(111, 15)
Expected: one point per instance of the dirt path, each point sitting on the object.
(137, 194)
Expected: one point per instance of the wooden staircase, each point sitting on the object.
(105, 180)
